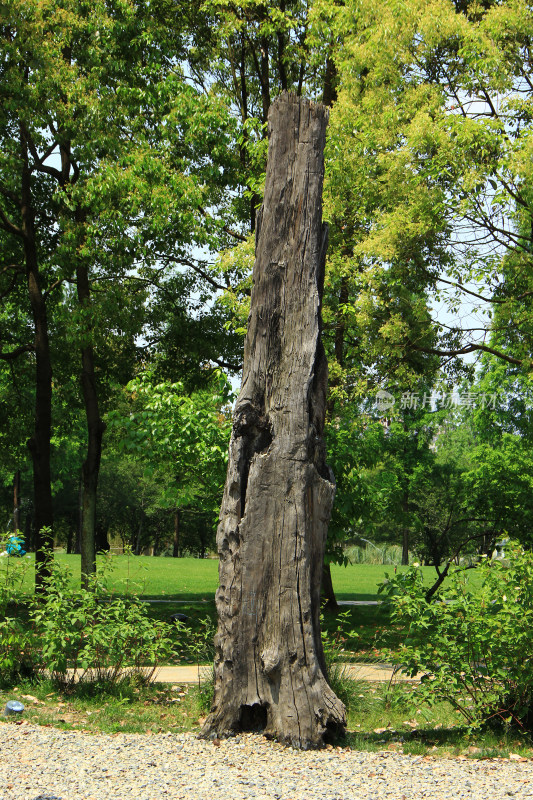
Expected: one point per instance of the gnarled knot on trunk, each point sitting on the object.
(270, 661)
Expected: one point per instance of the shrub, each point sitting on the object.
(74, 635)
(88, 634)
(473, 644)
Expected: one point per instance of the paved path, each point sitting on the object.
(357, 672)
(361, 672)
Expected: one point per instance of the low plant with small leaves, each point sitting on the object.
(472, 645)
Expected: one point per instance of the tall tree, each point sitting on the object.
(95, 182)
(433, 112)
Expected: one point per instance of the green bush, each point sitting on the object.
(474, 645)
(73, 635)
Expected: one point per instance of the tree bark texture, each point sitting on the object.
(270, 674)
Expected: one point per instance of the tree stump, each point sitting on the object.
(270, 674)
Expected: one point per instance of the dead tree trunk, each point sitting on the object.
(269, 666)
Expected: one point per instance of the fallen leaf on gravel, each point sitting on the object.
(516, 757)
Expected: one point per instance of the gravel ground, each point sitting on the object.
(38, 763)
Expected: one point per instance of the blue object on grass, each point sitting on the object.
(14, 546)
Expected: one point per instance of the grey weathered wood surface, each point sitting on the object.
(269, 665)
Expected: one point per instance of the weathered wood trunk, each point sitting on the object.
(269, 666)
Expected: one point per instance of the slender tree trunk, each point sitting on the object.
(28, 532)
(16, 501)
(139, 535)
(405, 547)
(328, 592)
(39, 443)
(265, 77)
(101, 538)
(95, 432)
(328, 98)
(269, 665)
(176, 542)
(330, 83)
(77, 546)
(405, 532)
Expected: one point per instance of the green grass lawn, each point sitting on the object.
(194, 579)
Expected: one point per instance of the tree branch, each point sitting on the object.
(37, 160)
(468, 291)
(57, 283)
(24, 348)
(9, 226)
(226, 365)
(442, 575)
(227, 230)
(469, 348)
